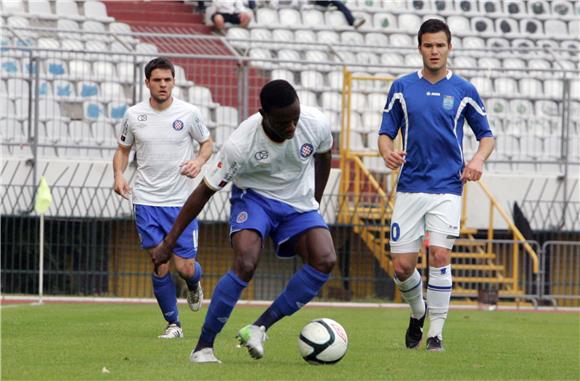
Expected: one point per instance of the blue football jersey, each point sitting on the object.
(431, 118)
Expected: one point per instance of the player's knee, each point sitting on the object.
(324, 261)
(438, 256)
(403, 270)
(186, 270)
(161, 270)
(218, 21)
(245, 267)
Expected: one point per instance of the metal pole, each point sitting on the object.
(565, 143)
(41, 260)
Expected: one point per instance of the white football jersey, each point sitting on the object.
(280, 171)
(163, 141)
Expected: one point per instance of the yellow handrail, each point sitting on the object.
(517, 234)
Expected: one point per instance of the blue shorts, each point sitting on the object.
(154, 222)
(280, 221)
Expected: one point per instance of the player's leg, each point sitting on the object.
(407, 230)
(249, 223)
(185, 261)
(218, 22)
(443, 225)
(150, 234)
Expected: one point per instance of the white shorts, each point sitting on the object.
(416, 213)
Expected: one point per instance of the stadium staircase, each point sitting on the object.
(176, 17)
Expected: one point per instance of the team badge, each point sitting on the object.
(242, 217)
(306, 150)
(261, 155)
(142, 117)
(178, 125)
(448, 102)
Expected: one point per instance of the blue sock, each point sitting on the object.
(164, 290)
(192, 282)
(301, 289)
(224, 298)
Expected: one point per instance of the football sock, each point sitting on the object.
(164, 290)
(412, 291)
(224, 298)
(302, 288)
(438, 295)
(193, 281)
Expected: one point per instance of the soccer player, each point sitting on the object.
(162, 130)
(430, 107)
(278, 161)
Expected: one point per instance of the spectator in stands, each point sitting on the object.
(430, 108)
(229, 11)
(279, 161)
(162, 130)
(350, 19)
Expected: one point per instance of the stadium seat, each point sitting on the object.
(79, 69)
(328, 37)
(574, 27)
(521, 108)
(18, 88)
(414, 60)
(122, 31)
(497, 106)
(147, 51)
(553, 88)
(562, 8)
(103, 71)
(40, 8)
(312, 18)
(93, 110)
(335, 79)
(68, 29)
(87, 89)
(459, 25)
(546, 108)
(483, 85)
(67, 8)
(490, 7)
(125, 72)
(575, 89)
(352, 38)
(539, 8)
(384, 21)
(331, 100)
(63, 89)
(289, 18)
(267, 17)
(201, 96)
(482, 25)
(260, 34)
(286, 56)
(94, 30)
(7, 107)
(514, 8)
(96, 10)
(312, 80)
(241, 34)
(13, 7)
(103, 133)
(376, 39)
(306, 38)
(259, 57)
(556, 27)
(284, 74)
(55, 131)
(376, 102)
(488, 63)
(226, 116)
(402, 40)
(48, 109)
(408, 22)
(505, 86)
(316, 56)
(307, 98)
(336, 20)
(507, 26)
(498, 42)
(111, 91)
(473, 42)
(530, 87)
(10, 67)
(368, 58)
(181, 77)
(531, 27)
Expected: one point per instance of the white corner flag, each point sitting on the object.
(42, 202)
(43, 197)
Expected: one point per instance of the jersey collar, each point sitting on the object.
(448, 76)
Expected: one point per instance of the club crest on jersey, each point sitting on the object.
(306, 150)
(242, 217)
(178, 125)
(142, 117)
(448, 102)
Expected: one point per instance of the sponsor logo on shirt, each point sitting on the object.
(142, 117)
(306, 150)
(448, 102)
(261, 155)
(242, 217)
(433, 94)
(220, 165)
(178, 125)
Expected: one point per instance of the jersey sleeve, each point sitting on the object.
(393, 114)
(476, 116)
(224, 168)
(126, 138)
(198, 129)
(325, 135)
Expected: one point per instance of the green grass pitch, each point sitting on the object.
(76, 341)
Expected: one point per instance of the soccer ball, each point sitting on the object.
(323, 341)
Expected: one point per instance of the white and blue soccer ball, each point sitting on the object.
(323, 341)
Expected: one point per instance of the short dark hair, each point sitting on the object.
(277, 93)
(159, 63)
(434, 26)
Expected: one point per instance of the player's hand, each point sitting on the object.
(191, 168)
(122, 187)
(395, 159)
(160, 254)
(473, 170)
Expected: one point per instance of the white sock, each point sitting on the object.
(412, 291)
(438, 295)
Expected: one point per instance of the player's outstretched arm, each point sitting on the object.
(322, 165)
(474, 168)
(190, 210)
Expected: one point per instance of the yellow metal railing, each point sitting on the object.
(351, 193)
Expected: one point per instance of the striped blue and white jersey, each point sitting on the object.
(431, 118)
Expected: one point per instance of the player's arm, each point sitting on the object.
(120, 162)
(322, 165)
(192, 168)
(190, 210)
(474, 168)
(393, 158)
